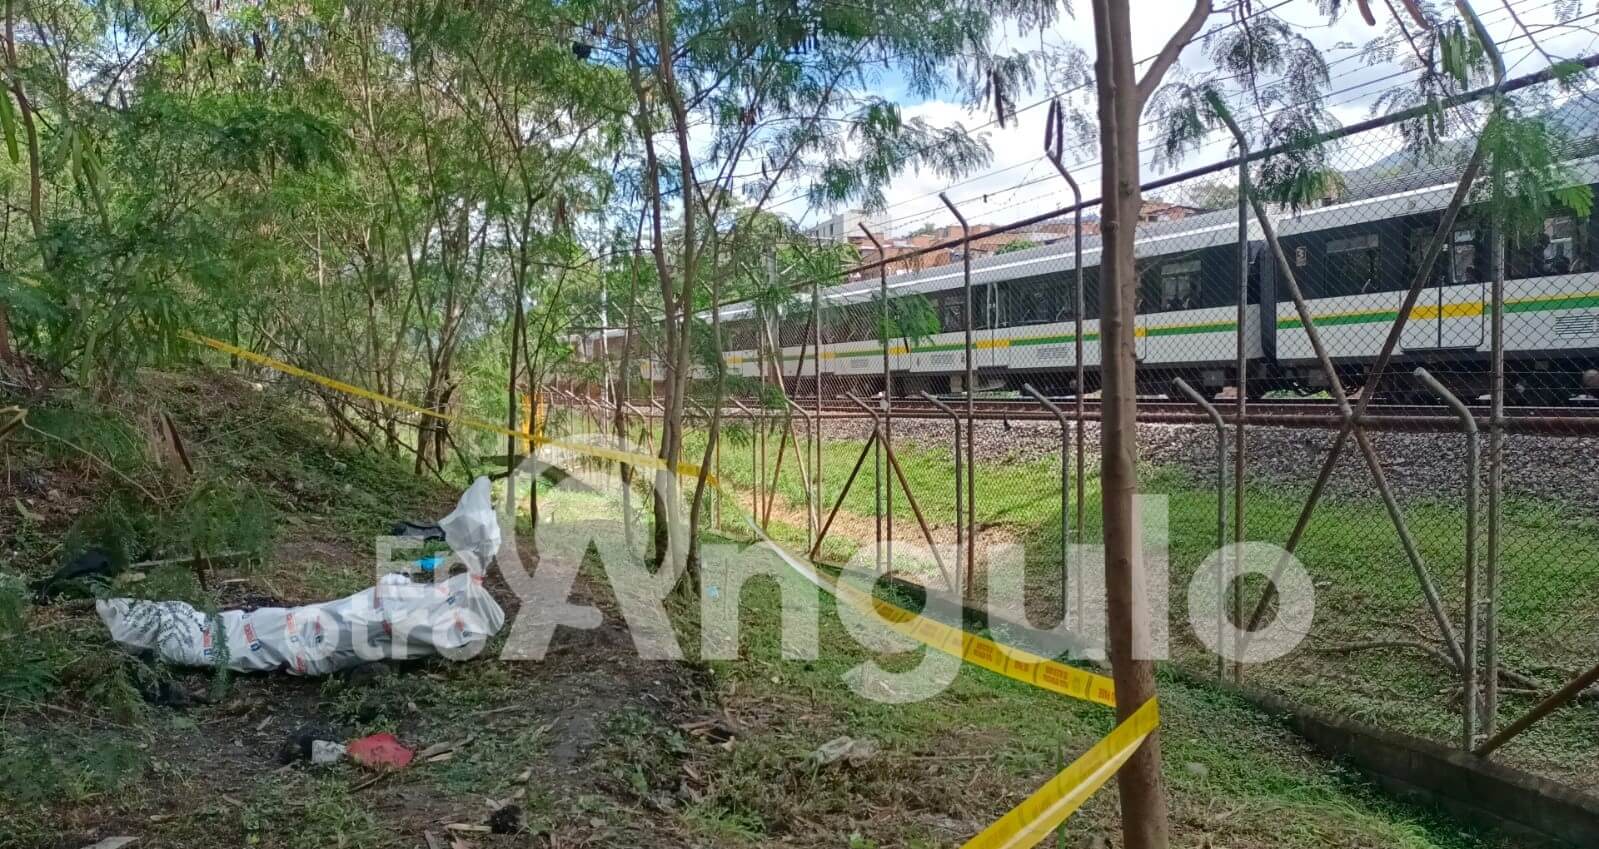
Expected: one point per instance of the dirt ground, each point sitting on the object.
(549, 738)
(592, 746)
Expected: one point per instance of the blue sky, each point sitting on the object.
(1019, 182)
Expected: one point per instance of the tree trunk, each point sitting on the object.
(1143, 799)
(6, 354)
(512, 401)
(696, 506)
(624, 377)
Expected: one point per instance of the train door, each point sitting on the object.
(1449, 313)
(1147, 302)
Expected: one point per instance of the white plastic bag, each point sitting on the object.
(472, 530)
(394, 620)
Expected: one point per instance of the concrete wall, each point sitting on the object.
(1477, 791)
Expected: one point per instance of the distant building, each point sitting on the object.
(1154, 210)
(846, 227)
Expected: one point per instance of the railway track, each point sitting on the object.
(1565, 420)
(1577, 420)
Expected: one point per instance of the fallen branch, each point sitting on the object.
(11, 418)
(92, 456)
(1517, 679)
(1351, 648)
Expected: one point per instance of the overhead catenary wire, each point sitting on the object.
(1510, 86)
(1359, 53)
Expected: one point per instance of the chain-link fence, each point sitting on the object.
(1393, 383)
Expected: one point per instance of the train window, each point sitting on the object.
(865, 321)
(796, 327)
(1179, 285)
(1463, 258)
(1090, 294)
(1458, 265)
(1559, 245)
(741, 335)
(1351, 265)
(1556, 250)
(981, 306)
(1030, 302)
(951, 311)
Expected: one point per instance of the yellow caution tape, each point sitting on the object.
(1009, 661)
(1060, 797)
(687, 469)
(1024, 825)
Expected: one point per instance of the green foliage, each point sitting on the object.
(1017, 245)
(911, 320)
(1460, 54)
(1525, 178)
(222, 516)
(65, 768)
(320, 810)
(76, 426)
(28, 669)
(1298, 170)
(118, 525)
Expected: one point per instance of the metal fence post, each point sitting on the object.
(1081, 381)
(755, 481)
(1223, 576)
(816, 328)
(1496, 464)
(971, 397)
(805, 483)
(1065, 506)
(955, 422)
(887, 405)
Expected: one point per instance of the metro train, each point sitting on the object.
(1352, 257)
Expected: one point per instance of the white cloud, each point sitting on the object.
(1018, 182)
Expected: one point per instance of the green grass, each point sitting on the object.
(950, 764)
(1366, 588)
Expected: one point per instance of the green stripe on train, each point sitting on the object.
(1522, 306)
(1559, 303)
(1293, 323)
(1334, 320)
(1178, 330)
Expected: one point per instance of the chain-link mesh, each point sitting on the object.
(871, 422)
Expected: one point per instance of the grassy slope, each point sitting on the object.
(85, 757)
(599, 734)
(1365, 588)
(951, 764)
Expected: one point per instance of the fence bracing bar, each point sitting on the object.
(1468, 425)
(1351, 415)
(910, 497)
(1223, 576)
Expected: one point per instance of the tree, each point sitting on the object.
(1016, 245)
(1122, 95)
(1210, 195)
(778, 91)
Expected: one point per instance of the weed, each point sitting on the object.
(721, 824)
(316, 810)
(642, 755)
(491, 764)
(66, 769)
